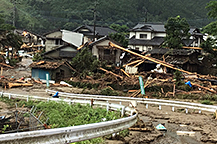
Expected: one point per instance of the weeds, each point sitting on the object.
(207, 102)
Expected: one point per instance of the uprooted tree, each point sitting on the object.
(177, 29)
(85, 63)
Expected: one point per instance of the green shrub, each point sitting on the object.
(13, 61)
(109, 92)
(207, 102)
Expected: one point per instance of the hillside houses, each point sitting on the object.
(148, 36)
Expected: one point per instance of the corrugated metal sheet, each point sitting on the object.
(40, 73)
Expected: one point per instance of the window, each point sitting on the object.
(143, 36)
(149, 48)
(58, 42)
(137, 48)
(106, 52)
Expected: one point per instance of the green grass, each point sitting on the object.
(64, 115)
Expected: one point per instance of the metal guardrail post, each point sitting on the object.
(159, 107)
(122, 111)
(186, 110)
(173, 108)
(107, 107)
(146, 106)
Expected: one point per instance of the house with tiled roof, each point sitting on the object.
(148, 36)
(88, 32)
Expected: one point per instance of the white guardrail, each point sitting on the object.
(74, 133)
(160, 102)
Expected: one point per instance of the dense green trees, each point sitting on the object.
(177, 29)
(7, 37)
(211, 30)
(122, 34)
(44, 15)
(85, 63)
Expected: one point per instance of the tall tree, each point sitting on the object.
(210, 44)
(7, 37)
(121, 35)
(177, 29)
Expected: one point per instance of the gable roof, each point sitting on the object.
(49, 64)
(61, 47)
(172, 52)
(99, 30)
(103, 39)
(147, 27)
(47, 33)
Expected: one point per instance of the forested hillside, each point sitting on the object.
(44, 15)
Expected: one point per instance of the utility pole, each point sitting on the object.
(94, 19)
(14, 13)
(146, 14)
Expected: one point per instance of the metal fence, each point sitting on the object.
(74, 133)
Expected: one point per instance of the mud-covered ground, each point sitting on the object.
(204, 125)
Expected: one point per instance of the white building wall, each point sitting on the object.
(147, 33)
(95, 51)
(132, 34)
(141, 47)
(158, 35)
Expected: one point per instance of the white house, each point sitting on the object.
(147, 36)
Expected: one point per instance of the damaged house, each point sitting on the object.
(57, 70)
(53, 40)
(66, 52)
(101, 49)
(185, 59)
(182, 58)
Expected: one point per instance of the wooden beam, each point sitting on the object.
(111, 73)
(138, 64)
(194, 84)
(6, 65)
(149, 58)
(196, 48)
(134, 62)
(125, 73)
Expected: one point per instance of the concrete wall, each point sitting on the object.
(51, 40)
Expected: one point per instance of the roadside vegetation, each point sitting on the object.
(64, 115)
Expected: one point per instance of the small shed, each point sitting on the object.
(57, 70)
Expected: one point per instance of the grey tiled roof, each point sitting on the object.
(156, 41)
(100, 30)
(172, 52)
(157, 27)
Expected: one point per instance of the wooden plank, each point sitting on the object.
(6, 65)
(131, 63)
(194, 84)
(139, 63)
(139, 129)
(125, 73)
(10, 85)
(149, 58)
